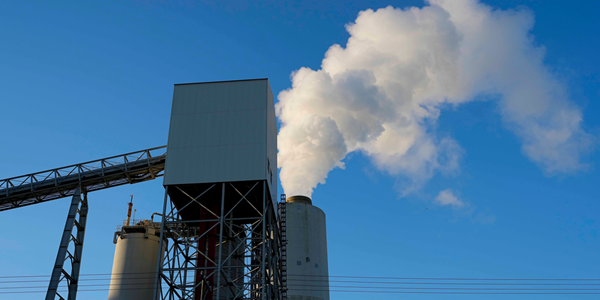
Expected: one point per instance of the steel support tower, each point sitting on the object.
(70, 251)
(219, 227)
(222, 241)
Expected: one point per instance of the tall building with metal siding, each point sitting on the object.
(222, 132)
(271, 145)
(220, 179)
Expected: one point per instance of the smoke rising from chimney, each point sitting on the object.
(380, 94)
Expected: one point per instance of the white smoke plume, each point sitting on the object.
(381, 93)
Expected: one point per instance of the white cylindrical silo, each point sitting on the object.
(134, 265)
(307, 266)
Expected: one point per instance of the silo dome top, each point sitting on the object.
(299, 199)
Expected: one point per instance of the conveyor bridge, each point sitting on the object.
(76, 181)
(91, 176)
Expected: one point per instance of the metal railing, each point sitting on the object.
(139, 222)
(94, 175)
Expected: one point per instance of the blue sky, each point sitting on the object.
(83, 81)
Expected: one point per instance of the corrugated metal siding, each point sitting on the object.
(218, 132)
(272, 142)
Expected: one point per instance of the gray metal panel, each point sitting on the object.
(271, 143)
(218, 132)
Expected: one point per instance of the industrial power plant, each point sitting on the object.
(223, 231)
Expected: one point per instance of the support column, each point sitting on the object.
(78, 208)
(264, 240)
(220, 272)
(157, 282)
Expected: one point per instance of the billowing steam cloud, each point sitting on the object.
(379, 93)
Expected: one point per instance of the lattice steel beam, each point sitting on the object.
(70, 250)
(94, 175)
(226, 247)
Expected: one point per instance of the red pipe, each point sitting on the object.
(207, 245)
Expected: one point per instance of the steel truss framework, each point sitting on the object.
(94, 175)
(227, 248)
(76, 181)
(65, 273)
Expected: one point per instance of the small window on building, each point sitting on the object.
(317, 266)
(299, 263)
(307, 259)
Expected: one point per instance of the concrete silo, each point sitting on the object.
(307, 266)
(135, 261)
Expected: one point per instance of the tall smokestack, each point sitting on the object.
(306, 250)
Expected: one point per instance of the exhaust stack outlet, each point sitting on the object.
(299, 199)
(306, 233)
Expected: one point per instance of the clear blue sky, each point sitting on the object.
(81, 81)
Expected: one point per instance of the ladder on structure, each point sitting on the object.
(283, 248)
